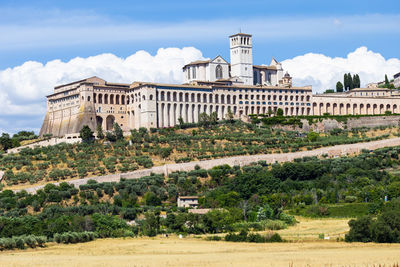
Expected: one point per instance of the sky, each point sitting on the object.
(46, 43)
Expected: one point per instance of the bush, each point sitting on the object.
(74, 237)
(20, 242)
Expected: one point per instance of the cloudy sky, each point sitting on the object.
(54, 42)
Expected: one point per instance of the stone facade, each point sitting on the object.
(210, 86)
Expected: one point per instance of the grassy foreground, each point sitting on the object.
(304, 249)
(196, 252)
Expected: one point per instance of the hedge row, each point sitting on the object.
(74, 237)
(21, 242)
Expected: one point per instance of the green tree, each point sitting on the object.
(181, 122)
(204, 120)
(119, 135)
(350, 80)
(386, 81)
(100, 133)
(86, 134)
(5, 141)
(339, 87)
(213, 118)
(312, 136)
(346, 82)
(279, 112)
(151, 224)
(229, 115)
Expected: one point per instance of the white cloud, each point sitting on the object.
(323, 72)
(23, 88)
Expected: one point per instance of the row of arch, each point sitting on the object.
(353, 109)
(108, 99)
(168, 114)
(223, 99)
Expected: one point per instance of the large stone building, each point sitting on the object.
(209, 86)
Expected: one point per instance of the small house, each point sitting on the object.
(188, 202)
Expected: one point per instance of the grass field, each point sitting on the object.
(304, 249)
(196, 252)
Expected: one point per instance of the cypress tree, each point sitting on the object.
(386, 81)
(350, 81)
(345, 82)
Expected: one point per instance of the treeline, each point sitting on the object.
(22, 242)
(349, 82)
(383, 229)
(7, 142)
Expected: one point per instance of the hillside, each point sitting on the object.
(145, 149)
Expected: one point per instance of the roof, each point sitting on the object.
(264, 67)
(241, 34)
(189, 197)
(197, 62)
(396, 75)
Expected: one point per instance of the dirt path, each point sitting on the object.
(333, 151)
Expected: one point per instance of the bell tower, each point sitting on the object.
(241, 50)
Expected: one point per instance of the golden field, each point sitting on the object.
(196, 252)
(304, 249)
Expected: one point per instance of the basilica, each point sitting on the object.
(209, 86)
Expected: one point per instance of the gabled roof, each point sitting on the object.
(219, 57)
(274, 62)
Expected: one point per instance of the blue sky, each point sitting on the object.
(43, 31)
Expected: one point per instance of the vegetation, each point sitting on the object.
(251, 198)
(384, 229)
(155, 147)
(7, 142)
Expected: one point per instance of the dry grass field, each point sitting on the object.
(304, 249)
(196, 252)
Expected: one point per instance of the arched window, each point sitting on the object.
(218, 72)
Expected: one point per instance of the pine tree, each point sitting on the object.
(386, 81)
(339, 87)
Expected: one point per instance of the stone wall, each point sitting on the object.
(335, 151)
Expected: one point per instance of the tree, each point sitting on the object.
(204, 120)
(5, 141)
(279, 112)
(356, 81)
(119, 135)
(346, 82)
(339, 87)
(350, 81)
(86, 134)
(386, 81)
(181, 122)
(329, 91)
(312, 136)
(100, 133)
(229, 115)
(213, 118)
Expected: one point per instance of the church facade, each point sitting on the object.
(209, 86)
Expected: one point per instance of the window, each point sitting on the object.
(218, 72)
(194, 72)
